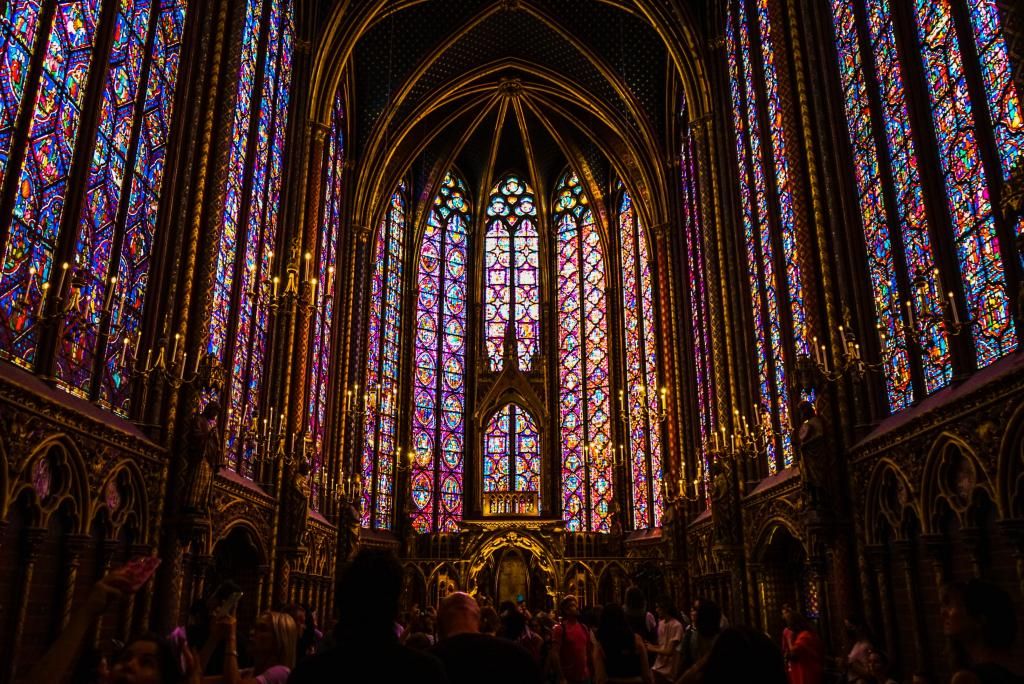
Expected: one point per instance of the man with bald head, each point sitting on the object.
(470, 656)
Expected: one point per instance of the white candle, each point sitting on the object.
(330, 282)
(910, 314)
(63, 274)
(174, 348)
(124, 351)
(42, 299)
(149, 357)
(28, 286)
(952, 307)
(184, 357)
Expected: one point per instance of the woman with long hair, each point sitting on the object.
(272, 647)
(620, 656)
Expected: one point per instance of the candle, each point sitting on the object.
(149, 357)
(174, 349)
(270, 261)
(312, 289)
(824, 358)
(305, 265)
(184, 356)
(199, 358)
(952, 307)
(28, 287)
(124, 351)
(714, 441)
(63, 274)
(109, 295)
(42, 299)
(330, 282)
(910, 314)
(276, 282)
(120, 306)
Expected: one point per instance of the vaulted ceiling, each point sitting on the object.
(490, 86)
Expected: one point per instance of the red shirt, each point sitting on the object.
(807, 659)
(572, 639)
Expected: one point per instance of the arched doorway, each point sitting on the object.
(513, 577)
(782, 578)
(237, 558)
(513, 566)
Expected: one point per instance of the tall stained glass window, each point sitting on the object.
(323, 319)
(380, 434)
(910, 218)
(512, 272)
(967, 185)
(768, 286)
(239, 320)
(639, 400)
(19, 30)
(439, 380)
(42, 185)
(103, 286)
(911, 295)
(511, 455)
(700, 315)
(584, 390)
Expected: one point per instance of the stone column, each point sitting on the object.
(33, 541)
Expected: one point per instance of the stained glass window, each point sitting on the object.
(699, 313)
(912, 222)
(639, 402)
(239, 320)
(323, 319)
(39, 202)
(765, 292)
(511, 455)
(512, 272)
(1004, 103)
(584, 401)
(103, 287)
(439, 380)
(974, 231)
(19, 29)
(380, 434)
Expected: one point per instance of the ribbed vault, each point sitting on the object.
(486, 85)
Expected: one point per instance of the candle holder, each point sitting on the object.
(849, 360)
(936, 307)
(298, 287)
(172, 368)
(748, 441)
(682, 489)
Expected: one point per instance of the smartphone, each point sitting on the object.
(139, 570)
(230, 604)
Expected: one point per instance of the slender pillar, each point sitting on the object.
(32, 542)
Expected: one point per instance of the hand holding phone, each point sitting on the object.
(139, 570)
(230, 605)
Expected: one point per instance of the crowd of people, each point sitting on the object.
(466, 640)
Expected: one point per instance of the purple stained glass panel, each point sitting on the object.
(584, 411)
(438, 420)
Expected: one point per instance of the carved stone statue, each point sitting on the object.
(202, 459)
(723, 502)
(348, 528)
(296, 511)
(815, 462)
